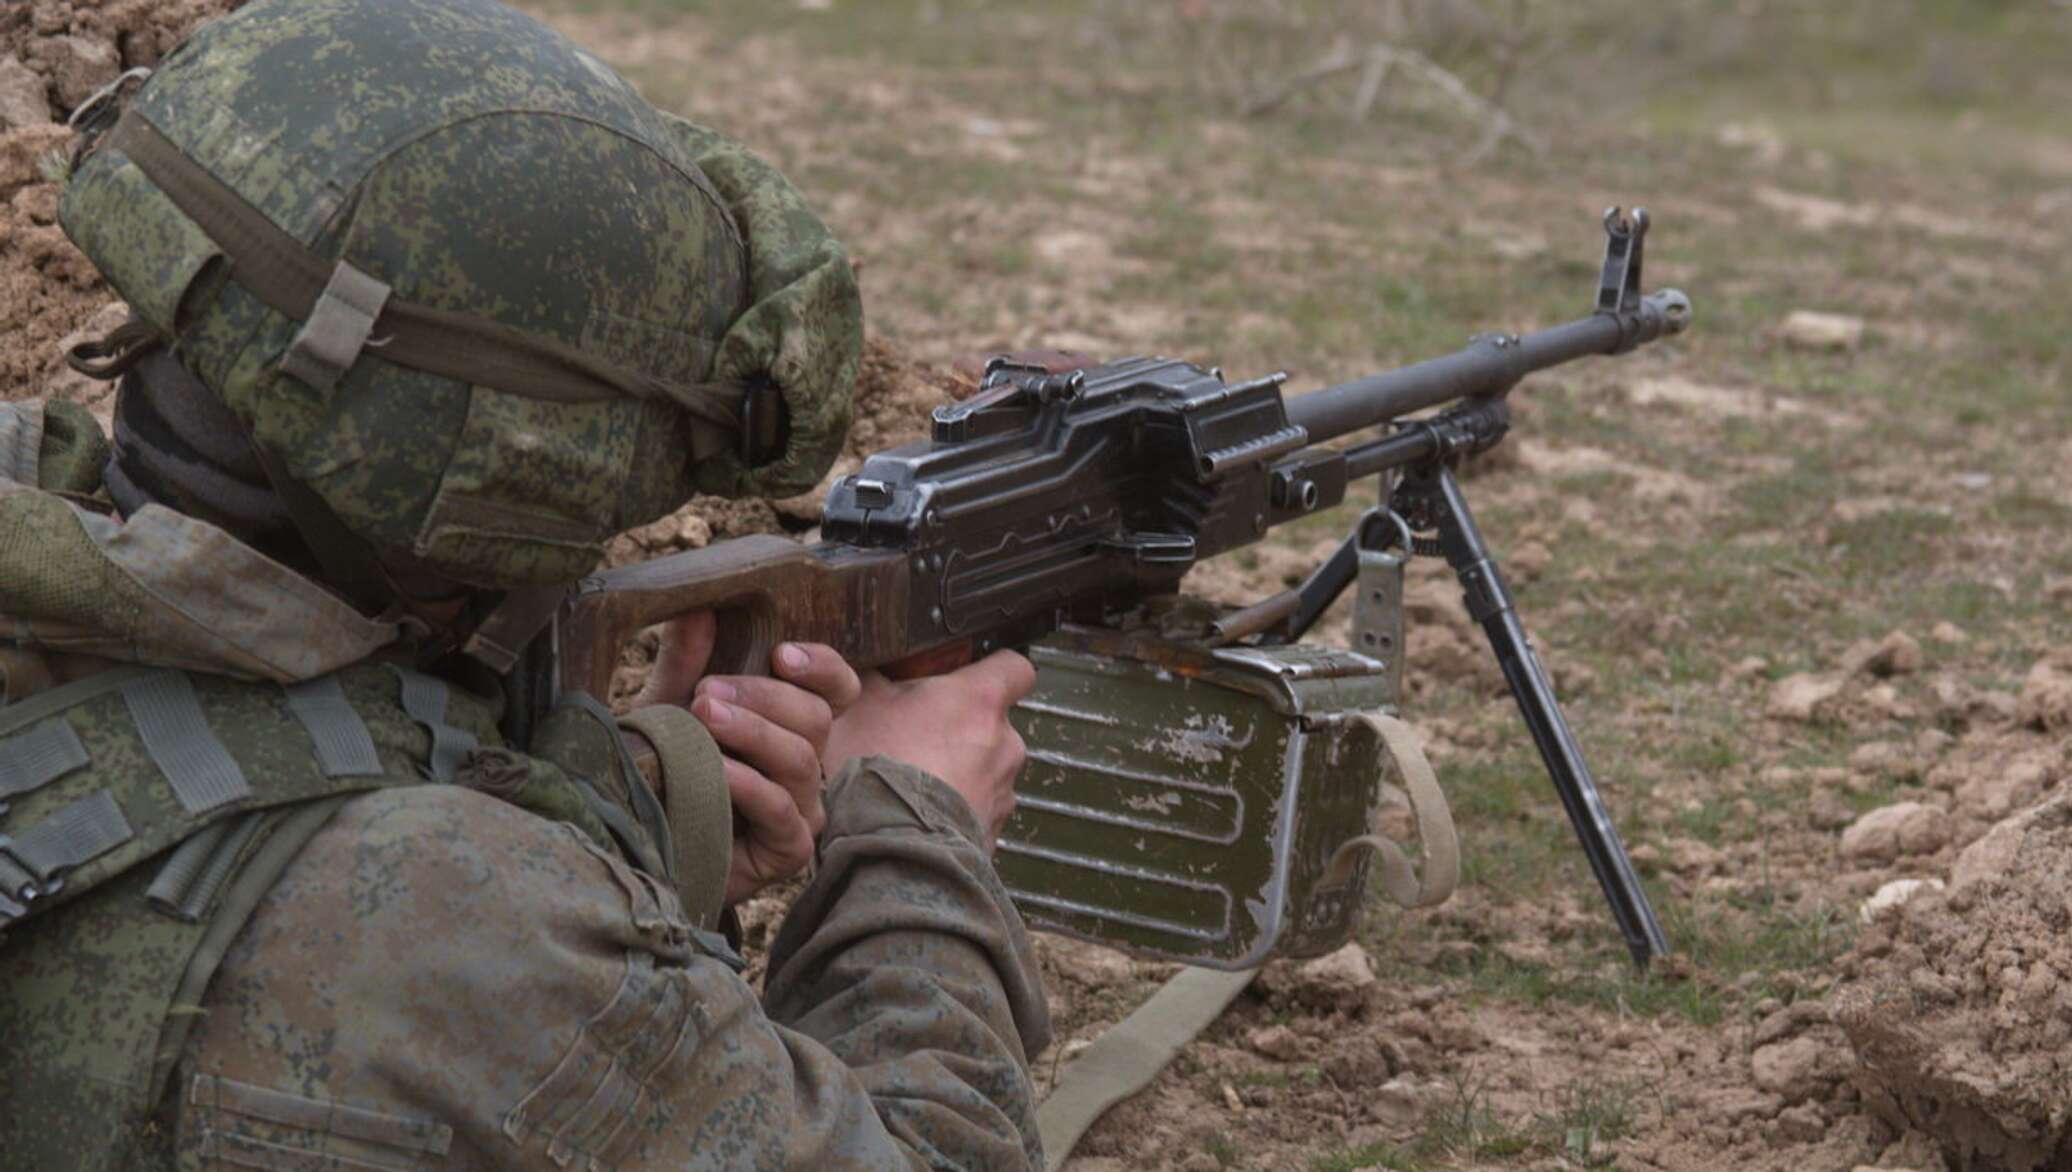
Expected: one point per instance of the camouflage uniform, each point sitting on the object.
(272, 896)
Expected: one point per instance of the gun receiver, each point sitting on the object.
(1055, 497)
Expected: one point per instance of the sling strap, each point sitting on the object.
(694, 794)
(344, 310)
(1131, 1053)
(1435, 835)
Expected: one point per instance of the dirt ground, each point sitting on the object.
(1804, 582)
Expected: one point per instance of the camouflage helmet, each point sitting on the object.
(474, 299)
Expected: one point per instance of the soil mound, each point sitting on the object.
(53, 54)
(1959, 1007)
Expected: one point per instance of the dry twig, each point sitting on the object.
(1375, 63)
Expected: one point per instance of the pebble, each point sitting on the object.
(1805, 329)
(1894, 895)
(1277, 1042)
(1897, 654)
(1803, 696)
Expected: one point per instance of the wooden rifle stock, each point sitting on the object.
(767, 589)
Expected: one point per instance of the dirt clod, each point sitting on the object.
(1960, 1014)
(1803, 697)
(1896, 831)
(1897, 654)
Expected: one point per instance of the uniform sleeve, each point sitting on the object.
(905, 958)
(440, 980)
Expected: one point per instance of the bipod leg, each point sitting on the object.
(1430, 498)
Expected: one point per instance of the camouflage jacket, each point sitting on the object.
(389, 973)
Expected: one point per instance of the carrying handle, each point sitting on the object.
(1400, 879)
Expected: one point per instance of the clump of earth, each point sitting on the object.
(55, 54)
(1959, 1004)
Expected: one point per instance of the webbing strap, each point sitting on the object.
(1435, 835)
(176, 877)
(290, 278)
(694, 794)
(424, 701)
(1124, 1060)
(180, 742)
(187, 883)
(216, 867)
(80, 831)
(329, 342)
(38, 757)
(344, 746)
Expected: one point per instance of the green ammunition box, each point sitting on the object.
(1183, 801)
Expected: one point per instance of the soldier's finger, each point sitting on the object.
(777, 753)
(685, 649)
(787, 705)
(764, 805)
(819, 669)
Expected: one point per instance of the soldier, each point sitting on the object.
(428, 304)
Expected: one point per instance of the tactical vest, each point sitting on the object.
(144, 812)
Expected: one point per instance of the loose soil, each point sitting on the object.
(1494, 1031)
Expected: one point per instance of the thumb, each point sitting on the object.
(1008, 672)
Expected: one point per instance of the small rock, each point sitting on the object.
(1797, 1069)
(1931, 742)
(1897, 654)
(2046, 699)
(1947, 632)
(1688, 856)
(1529, 561)
(1786, 1021)
(1341, 976)
(1733, 1104)
(1398, 1102)
(1896, 831)
(1090, 964)
(1992, 854)
(1805, 329)
(1997, 793)
(22, 98)
(77, 66)
(1803, 696)
(1277, 1042)
(1828, 812)
(1882, 758)
(1748, 667)
(1801, 1124)
(1572, 679)
(1894, 895)
(1230, 1098)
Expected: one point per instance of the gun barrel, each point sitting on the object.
(1489, 365)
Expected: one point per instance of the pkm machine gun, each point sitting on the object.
(1065, 501)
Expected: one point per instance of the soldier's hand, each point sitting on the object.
(773, 731)
(954, 726)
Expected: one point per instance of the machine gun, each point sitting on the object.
(1065, 501)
